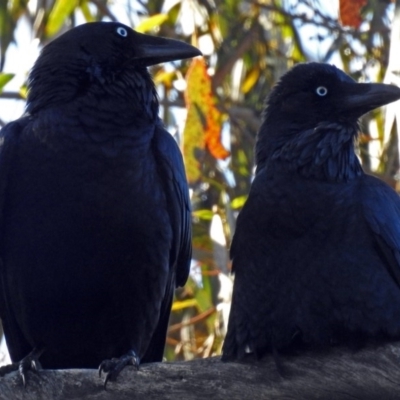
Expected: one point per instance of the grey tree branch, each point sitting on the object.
(11, 95)
(369, 374)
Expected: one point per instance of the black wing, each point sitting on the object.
(16, 342)
(382, 211)
(172, 174)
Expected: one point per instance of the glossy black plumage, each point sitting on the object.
(95, 212)
(316, 252)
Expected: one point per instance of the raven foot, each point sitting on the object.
(113, 367)
(28, 363)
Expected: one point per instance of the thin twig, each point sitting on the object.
(193, 320)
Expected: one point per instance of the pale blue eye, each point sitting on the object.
(321, 91)
(122, 31)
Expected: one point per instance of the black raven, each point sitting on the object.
(316, 252)
(95, 226)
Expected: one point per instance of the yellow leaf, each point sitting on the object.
(23, 91)
(180, 305)
(150, 23)
(203, 123)
(86, 12)
(164, 77)
(60, 11)
(251, 79)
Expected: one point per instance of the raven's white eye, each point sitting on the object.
(122, 31)
(321, 91)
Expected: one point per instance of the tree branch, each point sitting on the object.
(11, 95)
(368, 374)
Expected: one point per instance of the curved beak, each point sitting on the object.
(151, 50)
(360, 98)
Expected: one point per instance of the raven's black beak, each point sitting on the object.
(363, 97)
(151, 50)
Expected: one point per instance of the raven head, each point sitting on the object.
(311, 93)
(311, 118)
(102, 60)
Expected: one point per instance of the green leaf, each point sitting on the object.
(150, 23)
(238, 202)
(4, 79)
(7, 25)
(173, 14)
(61, 10)
(86, 12)
(204, 298)
(23, 91)
(203, 214)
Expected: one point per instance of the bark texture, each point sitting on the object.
(369, 374)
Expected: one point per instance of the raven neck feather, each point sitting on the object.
(323, 153)
(128, 92)
(55, 127)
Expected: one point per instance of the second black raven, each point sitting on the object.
(95, 225)
(316, 252)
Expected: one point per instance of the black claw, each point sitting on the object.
(28, 363)
(113, 367)
(107, 378)
(106, 366)
(36, 366)
(22, 375)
